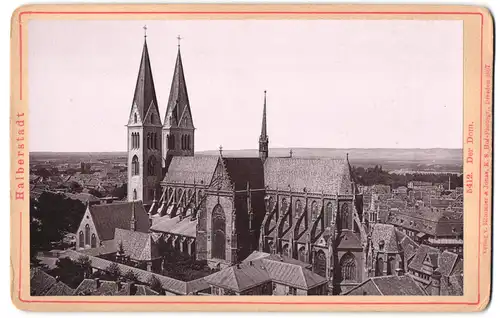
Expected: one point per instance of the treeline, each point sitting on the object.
(377, 175)
(53, 216)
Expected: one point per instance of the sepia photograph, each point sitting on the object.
(245, 157)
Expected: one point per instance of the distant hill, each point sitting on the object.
(435, 159)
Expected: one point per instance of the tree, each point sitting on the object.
(85, 264)
(52, 216)
(95, 193)
(43, 172)
(120, 192)
(155, 284)
(114, 271)
(70, 272)
(131, 276)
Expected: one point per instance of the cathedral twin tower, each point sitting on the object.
(151, 144)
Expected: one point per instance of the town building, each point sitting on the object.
(98, 287)
(263, 274)
(97, 228)
(442, 229)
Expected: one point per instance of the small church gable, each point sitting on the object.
(87, 235)
(135, 116)
(152, 116)
(186, 120)
(220, 179)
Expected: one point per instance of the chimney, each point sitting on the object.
(58, 279)
(436, 283)
(97, 282)
(133, 222)
(251, 263)
(399, 272)
(238, 266)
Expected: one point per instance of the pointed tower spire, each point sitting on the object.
(145, 93)
(178, 101)
(264, 140)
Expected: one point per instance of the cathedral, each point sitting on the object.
(220, 209)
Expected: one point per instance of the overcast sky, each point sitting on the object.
(331, 84)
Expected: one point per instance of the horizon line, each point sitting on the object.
(255, 149)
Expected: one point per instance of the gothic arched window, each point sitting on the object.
(93, 241)
(149, 141)
(87, 234)
(270, 203)
(329, 213)
(135, 195)
(286, 250)
(138, 140)
(348, 267)
(152, 166)
(81, 239)
(302, 254)
(320, 263)
(284, 206)
(179, 195)
(135, 118)
(170, 194)
(189, 142)
(218, 233)
(270, 246)
(189, 194)
(135, 166)
(152, 119)
(379, 267)
(314, 209)
(391, 264)
(344, 217)
(200, 194)
(298, 207)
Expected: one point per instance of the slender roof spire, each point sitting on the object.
(263, 133)
(145, 93)
(263, 139)
(178, 101)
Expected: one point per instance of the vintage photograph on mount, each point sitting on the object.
(248, 157)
